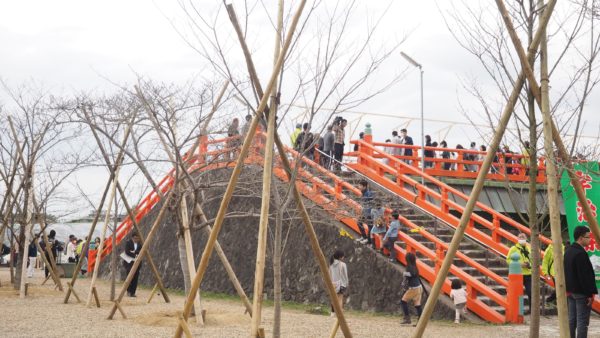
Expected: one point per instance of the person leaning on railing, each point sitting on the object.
(447, 155)
(339, 136)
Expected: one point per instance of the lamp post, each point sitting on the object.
(418, 65)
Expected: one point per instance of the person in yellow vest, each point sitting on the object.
(523, 249)
(295, 134)
(548, 269)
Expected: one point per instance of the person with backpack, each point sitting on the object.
(459, 297)
(523, 249)
(414, 289)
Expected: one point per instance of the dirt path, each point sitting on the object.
(43, 314)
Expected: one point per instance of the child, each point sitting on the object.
(459, 296)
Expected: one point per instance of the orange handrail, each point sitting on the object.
(311, 190)
(498, 172)
(164, 185)
(376, 169)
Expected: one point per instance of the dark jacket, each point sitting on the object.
(32, 250)
(129, 249)
(579, 273)
(408, 141)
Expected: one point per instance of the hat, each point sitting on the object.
(298, 125)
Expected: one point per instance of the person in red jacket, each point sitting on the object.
(580, 282)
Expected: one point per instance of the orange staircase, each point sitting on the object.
(487, 226)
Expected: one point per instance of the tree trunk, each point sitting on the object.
(534, 324)
(277, 248)
(113, 255)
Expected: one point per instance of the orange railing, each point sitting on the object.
(339, 205)
(439, 203)
(205, 159)
(466, 163)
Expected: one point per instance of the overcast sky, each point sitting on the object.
(69, 46)
(75, 45)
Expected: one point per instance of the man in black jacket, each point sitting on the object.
(581, 282)
(132, 249)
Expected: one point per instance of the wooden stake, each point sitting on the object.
(152, 293)
(184, 325)
(145, 247)
(118, 307)
(334, 329)
(72, 290)
(324, 269)
(95, 292)
(189, 253)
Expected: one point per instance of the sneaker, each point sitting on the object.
(359, 240)
(364, 241)
(392, 260)
(457, 322)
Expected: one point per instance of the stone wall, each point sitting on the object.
(374, 282)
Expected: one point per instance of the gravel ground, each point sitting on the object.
(43, 314)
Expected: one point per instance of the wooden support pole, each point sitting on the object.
(464, 220)
(112, 174)
(309, 228)
(72, 290)
(152, 293)
(552, 191)
(236, 173)
(96, 298)
(230, 273)
(52, 273)
(183, 323)
(189, 255)
(148, 256)
(118, 307)
(113, 192)
(130, 213)
(261, 248)
(145, 247)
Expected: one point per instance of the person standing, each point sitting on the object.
(233, 140)
(54, 246)
(548, 269)
(132, 249)
(246, 125)
(366, 202)
(524, 251)
(32, 255)
(339, 136)
(459, 297)
(396, 139)
(295, 134)
(339, 276)
(414, 289)
(328, 142)
(580, 282)
(408, 141)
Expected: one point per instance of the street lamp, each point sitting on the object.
(418, 65)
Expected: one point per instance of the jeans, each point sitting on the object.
(579, 315)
